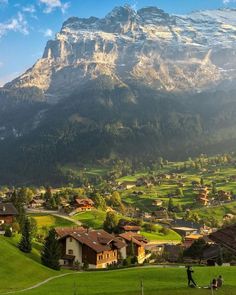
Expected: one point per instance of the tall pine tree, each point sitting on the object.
(51, 251)
(25, 244)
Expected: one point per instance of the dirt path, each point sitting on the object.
(54, 213)
(40, 284)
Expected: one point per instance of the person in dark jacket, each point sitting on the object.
(190, 278)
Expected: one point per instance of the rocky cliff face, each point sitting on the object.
(167, 52)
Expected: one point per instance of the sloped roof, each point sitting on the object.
(7, 209)
(225, 237)
(135, 238)
(98, 240)
(83, 202)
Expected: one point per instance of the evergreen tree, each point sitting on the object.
(51, 251)
(111, 222)
(25, 244)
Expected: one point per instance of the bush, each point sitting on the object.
(8, 232)
(164, 231)
(134, 260)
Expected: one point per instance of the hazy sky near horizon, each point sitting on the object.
(26, 25)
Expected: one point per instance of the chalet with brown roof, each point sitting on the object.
(83, 204)
(135, 243)
(36, 203)
(129, 226)
(7, 213)
(97, 248)
(225, 237)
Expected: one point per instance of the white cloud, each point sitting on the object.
(16, 24)
(51, 5)
(48, 33)
(229, 1)
(29, 9)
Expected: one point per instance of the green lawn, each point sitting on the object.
(158, 281)
(157, 236)
(19, 270)
(45, 220)
(217, 212)
(94, 218)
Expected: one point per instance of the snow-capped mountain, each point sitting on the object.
(168, 52)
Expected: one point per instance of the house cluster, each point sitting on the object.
(203, 195)
(150, 181)
(97, 248)
(78, 204)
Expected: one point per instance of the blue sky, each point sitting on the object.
(26, 25)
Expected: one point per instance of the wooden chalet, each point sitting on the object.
(97, 248)
(36, 203)
(225, 237)
(83, 204)
(135, 243)
(7, 213)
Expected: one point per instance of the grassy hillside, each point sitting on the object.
(158, 281)
(45, 220)
(19, 270)
(94, 218)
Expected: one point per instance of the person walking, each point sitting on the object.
(190, 277)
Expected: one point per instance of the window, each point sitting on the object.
(108, 255)
(71, 239)
(70, 252)
(100, 257)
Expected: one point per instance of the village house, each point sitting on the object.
(225, 237)
(7, 213)
(157, 202)
(96, 248)
(82, 205)
(129, 226)
(135, 243)
(36, 203)
(160, 214)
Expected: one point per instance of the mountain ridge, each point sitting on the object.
(147, 45)
(150, 86)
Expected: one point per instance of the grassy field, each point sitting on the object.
(157, 236)
(218, 211)
(19, 270)
(220, 174)
(94, 218)
(45, 220)
(158, 281)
